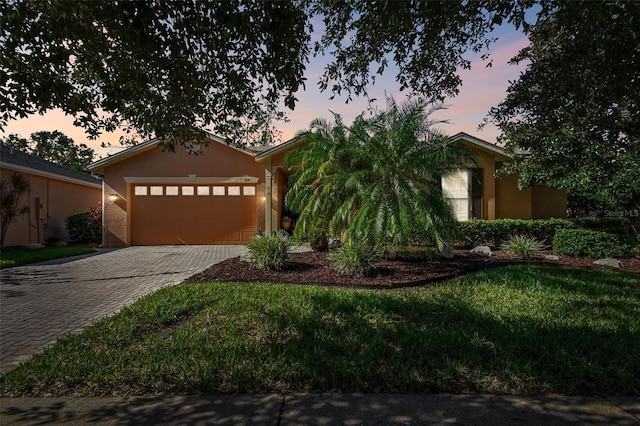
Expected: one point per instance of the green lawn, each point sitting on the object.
(16, 257)
(517, 330)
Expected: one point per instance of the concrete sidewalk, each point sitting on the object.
(323, 409)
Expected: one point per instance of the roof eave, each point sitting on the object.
(24, 169)
(98, 166)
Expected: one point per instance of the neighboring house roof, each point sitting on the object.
(19, 161)
(98, 166)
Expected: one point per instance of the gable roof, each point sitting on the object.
(19, 161)
(481, 144)
(98, 166)
(478, 143)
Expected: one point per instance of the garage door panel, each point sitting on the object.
(192, 219)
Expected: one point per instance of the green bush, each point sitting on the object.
(495, 232)
(522, 247)
(83, 228)
(353, 259)
(270, 251)
(590, 243)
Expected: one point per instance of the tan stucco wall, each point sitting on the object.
(548, 202)
(512, 202)
(50, 202)
(216, 160)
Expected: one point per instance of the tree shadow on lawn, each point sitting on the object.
(449, 345)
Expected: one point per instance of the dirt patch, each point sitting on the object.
(314, 268)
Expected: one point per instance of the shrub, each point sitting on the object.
(590, 243)
(353, 259)
(83, 228)
(270, 251)
(495, 232)
(522, 247)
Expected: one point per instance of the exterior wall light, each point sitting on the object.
(113, 198)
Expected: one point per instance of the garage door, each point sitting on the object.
(192, 214)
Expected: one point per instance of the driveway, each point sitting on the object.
(39, 303)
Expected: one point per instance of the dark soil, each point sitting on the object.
(314, 268)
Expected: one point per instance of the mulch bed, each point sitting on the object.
(314, 268)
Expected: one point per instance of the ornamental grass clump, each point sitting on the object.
(353, 259)
(522, 247)
(270, 251)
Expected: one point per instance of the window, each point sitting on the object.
(155, 190)
(455, 188)
(233, 190)
(140, 190)
(171, 190)
(218, 190)
(463, 189)
(248, 190)
(187, 190)
(203, 190)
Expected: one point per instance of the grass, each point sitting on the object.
(513, 330)
(16, 257)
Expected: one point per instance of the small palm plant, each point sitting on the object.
(353, 259)
(270, 251)
(522, 247)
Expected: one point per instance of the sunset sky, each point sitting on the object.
(482, 88)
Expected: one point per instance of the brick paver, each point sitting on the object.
(39, 303)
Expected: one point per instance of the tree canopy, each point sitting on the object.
(576, 107)
(166, 68)
(53, 146)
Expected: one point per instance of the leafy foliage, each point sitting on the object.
(12, 188)
(270, 251)
(575, 109)
(522, 247)
(353, 259)
(84, 228)
(169, 67)
(157, 67)
(53, 146)
(590, 243)
(495, 232)
(375, 182)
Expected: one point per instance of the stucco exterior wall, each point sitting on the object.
(548, 202)
(154, 165)
(512, 202)
(50, 202)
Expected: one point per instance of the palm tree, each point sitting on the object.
(377, 181)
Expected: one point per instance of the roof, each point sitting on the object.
(471, 140)
(481, 144)
(19, 161)
(98, 166)
(278, 148)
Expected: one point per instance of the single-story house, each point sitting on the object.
(55, 193)
(225, 194)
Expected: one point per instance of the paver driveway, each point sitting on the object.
(39, 303)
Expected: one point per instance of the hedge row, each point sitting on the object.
(495, 232)
(590, 243)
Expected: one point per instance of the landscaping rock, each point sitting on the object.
(447, 251)
(481, 251)
(551, 257)
(33, 246)
(608, 261)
